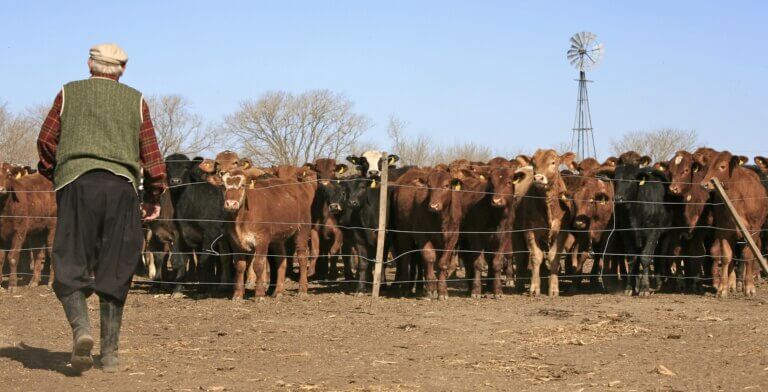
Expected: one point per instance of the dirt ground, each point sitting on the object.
(335, 341)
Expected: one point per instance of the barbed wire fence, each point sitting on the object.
(384, 260)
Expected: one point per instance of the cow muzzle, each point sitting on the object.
(498, 201)
(435, 207)
(674, 189)
(373, 173)
(231, 205)
(334, 207)
(707, 185)
(540, 179)
(580, 222)
(175, 181)
(2, 190)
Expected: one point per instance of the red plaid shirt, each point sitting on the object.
(151, 158)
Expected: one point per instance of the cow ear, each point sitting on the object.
(695, 167)
(611, 161)
(742, 160)
(456, 184)
(309, 165)
(735, 162)
(353, 160)
(661, 166)
(642, 179)
(645, 160)
(213, 179)
(523, 160)
(518, 176)
(392, 159)
(207, 165)
(761, 162)
(341, 168)
(567, 159)
(245, 163)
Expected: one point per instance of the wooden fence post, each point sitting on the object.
(382, 226)
(740, 223)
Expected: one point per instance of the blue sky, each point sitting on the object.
(484, 71)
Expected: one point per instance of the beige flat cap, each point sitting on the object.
(109, 53)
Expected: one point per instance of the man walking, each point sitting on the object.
(93, 145)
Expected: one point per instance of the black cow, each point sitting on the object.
(369, 163)
(199, 216)
(641, 216)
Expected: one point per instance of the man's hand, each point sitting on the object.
(150, 212)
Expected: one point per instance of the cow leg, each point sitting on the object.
(726, 256)
(737, 281)
(554, 270)
(644, 285)
(282, 265)
(240, 266)
(444, 266)
(250, 282)
(333, 251)
(225, 265)
(13, 260)
(37, 267)
(362, 269)
(2, 262)
(260, 269)
(494, 269)
(179, 265)
(429, 257)
(473, 265)
(749, 269)
(318, 263)
(536, 258)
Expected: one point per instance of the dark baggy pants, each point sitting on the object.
(98, 232)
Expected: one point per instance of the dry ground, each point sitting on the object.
(334, 341)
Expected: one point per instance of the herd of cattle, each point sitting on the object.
(640, 225)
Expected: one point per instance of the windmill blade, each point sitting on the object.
(588, 38)
(575, 42)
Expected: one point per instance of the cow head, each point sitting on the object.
(546, 166)
(224, 162)
(235, 183)
(369, 164)
(499, 161)
(177, 168)
(680, 170)
(441, 184)
(348, 196)
(632, 158)
(593, 204)
(721, 167)
(327, 170)
(503, 181)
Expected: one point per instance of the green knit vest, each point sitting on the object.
(100, 124)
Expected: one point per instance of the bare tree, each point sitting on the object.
(659, 144)
(292, 129)
(416, 151)
(466, 150)
(178, 128)
(18, 137)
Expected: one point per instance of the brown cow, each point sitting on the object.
(593, 210)
(266, 214)
(747, 194)
(488, 226)
(28, 208)
(324, 223)
(546, 213)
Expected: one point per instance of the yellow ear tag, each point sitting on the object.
(563, 197)
(642, 182)
(482, 177)
(374, 184)
(251, 184)
(18, 175)
(457, 187)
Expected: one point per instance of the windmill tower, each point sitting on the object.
(584, 54)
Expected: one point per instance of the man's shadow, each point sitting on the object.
(39, 358)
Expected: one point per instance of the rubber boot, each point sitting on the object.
(76, 310)
(111, 318)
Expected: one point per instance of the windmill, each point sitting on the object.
(584, 54)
